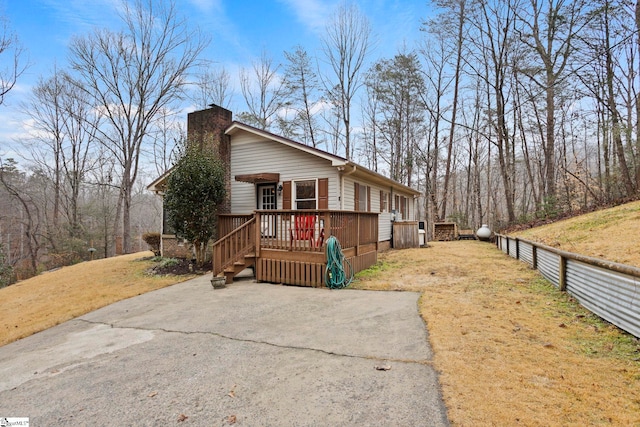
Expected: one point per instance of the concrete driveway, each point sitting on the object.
(252, 354)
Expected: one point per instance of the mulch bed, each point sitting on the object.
(184, 266)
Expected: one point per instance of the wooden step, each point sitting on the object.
(238, 266)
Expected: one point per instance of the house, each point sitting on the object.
(284, 199)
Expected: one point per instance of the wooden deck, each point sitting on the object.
(287, 246)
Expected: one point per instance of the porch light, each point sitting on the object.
(279, 189)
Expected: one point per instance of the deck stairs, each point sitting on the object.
(235, 252)
(237, 267)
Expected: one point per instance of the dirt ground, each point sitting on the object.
(510, 348)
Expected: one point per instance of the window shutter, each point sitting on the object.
(381, 200)
(286, 195)
(356, 199)
(368, 199)
(323, 193)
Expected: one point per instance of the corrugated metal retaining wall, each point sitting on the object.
(608, 289)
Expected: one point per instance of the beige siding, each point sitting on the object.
(349, 193)
(384, 226)
(384, 220)
(252, 155)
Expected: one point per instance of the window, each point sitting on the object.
(166, 228)
(362, 199)
(305, 194)
(398, 207)
(384, 201)
(401, 207)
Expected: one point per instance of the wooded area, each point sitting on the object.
(506, 111)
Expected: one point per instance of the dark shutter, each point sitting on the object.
(368, 199)
(286, 195)
(323, 193)
(381, 200)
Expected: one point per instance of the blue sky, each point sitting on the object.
(239, 30)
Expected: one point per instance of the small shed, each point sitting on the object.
(445, 231)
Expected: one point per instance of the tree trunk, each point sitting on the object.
(456, 85)
(615, 117)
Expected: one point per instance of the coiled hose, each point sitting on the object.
(335, 276)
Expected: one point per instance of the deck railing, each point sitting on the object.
(229, 222)
(307, 230)
(288, 245)
(233, 246)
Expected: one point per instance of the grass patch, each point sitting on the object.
(167, 262)
(378, 268)
(609, 234)
(54, 297)
(499, 329)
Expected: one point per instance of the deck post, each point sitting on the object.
(358, 235)
(258, 240)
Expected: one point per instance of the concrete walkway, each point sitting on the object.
(251, 354)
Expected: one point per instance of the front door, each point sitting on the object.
(267, 200)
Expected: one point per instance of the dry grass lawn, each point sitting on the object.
(51, 298)
(510, 349)
(611, 234)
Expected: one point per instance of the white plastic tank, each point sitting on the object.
(484, 232)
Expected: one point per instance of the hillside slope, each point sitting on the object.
(612, 234)
(51, 298)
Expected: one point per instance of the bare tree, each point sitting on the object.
(16, 184)
(168, 136)
(438, 82)
(12, 54)
(132, 75)
(454, 17)
(212, 86)
(551, 27)
(346, 43)
(494, 47)
(264, 92)
(603, 63)
(65, 126)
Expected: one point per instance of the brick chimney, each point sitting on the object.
(206, 128)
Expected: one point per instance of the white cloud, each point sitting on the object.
(311, 13)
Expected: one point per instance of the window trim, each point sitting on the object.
(358, 190)
(384, 201)
(294, 192)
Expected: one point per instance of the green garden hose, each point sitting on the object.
(335, 275)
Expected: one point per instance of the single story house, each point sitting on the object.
(284, 199)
